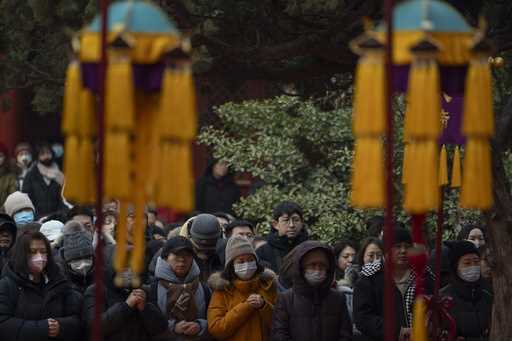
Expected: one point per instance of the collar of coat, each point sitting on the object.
(267, 279)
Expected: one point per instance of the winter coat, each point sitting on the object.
(119, 322)
(231, 318)
(276, 248)
(216, 195)
(158, 296)
(472, 308)
(5, 254)
(25, 308)
(304, 312)
(7, 182)
(46, 198)
(368, 302)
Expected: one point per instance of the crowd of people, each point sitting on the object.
(212, 277)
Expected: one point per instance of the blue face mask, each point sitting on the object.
(24, 217)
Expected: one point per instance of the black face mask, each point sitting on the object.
(47, 162)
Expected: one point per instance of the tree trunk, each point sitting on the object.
(500, 232)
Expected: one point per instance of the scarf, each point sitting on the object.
(181, 305)
(51, 173)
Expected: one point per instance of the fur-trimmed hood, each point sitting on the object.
(267, 279)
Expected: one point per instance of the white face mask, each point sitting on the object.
(245, 271)
(470, 274)
(315, 277)
(81, 266)
(24, 159)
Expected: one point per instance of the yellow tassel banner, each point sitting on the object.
(166, 192)
(121, 253)
(72, 88)
(422, 189)
(456, 180)
(419, 324)
(120, 94)
(423, 114)
(443, 167)
(476, 189)
(73, 189)
(183, 173)
(368, 173)
(178, 107)
(369, 115)
(87, 164)
(87, 119)
(118, 165)
(478, 116)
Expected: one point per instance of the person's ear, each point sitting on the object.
(274, 224)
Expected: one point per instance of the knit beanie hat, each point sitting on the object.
(22, 147)
(52, 229)
(205, 231)
(238, 246)
(457, 249)
(175, 245)
(77, 245)
(16, 202)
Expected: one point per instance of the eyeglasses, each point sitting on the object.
(294, 220)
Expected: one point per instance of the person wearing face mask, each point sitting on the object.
(7, 175)
(43, 183)
(369, 292)
(311, 309)
(287, 232)
(23, 158)
(19, 206)
(243, 297)
(179, 293)
(36, 301)
(7, 239)
(474, 234)
(127, 314)
(76, 259)
(472, 302)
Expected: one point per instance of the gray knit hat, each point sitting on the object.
(16, 202)
(238, 246)
(77, 245)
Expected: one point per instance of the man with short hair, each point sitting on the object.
(83, 215)
(288, 231)
(242, 228)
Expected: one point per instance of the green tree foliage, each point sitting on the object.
(302, 151)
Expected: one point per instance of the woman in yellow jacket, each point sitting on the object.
(244, 294)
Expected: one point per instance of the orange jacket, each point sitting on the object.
(231, 318)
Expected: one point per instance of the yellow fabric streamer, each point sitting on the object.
(184, 176)
(118, 166)
(120, 256)
(369, 115)
(476, 189)
(368, 173)
(456, 180)
(443, 167)
(478, 116)
(423, 115)
(73, 185)
(165, 191)
(87, 119)
(72, 88)
(419, 324)
(87, 163)
(120, 94)
(178, 108)
(422, 189)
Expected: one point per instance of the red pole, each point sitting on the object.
(389, 286)
(98, 269)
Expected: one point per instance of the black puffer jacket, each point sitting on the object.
(25, 308)
(46, 198)
(277, 248)
(368, 302)
(216, 195)
(472, 308)
(119, 322)
(305, 313)
(6, 222)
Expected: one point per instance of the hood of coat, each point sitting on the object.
(299, 282)
(8, 223)
(285, 243)
(164, 271)
(267, 280)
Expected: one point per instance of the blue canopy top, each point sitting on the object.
(135, 16)
(408, 16)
